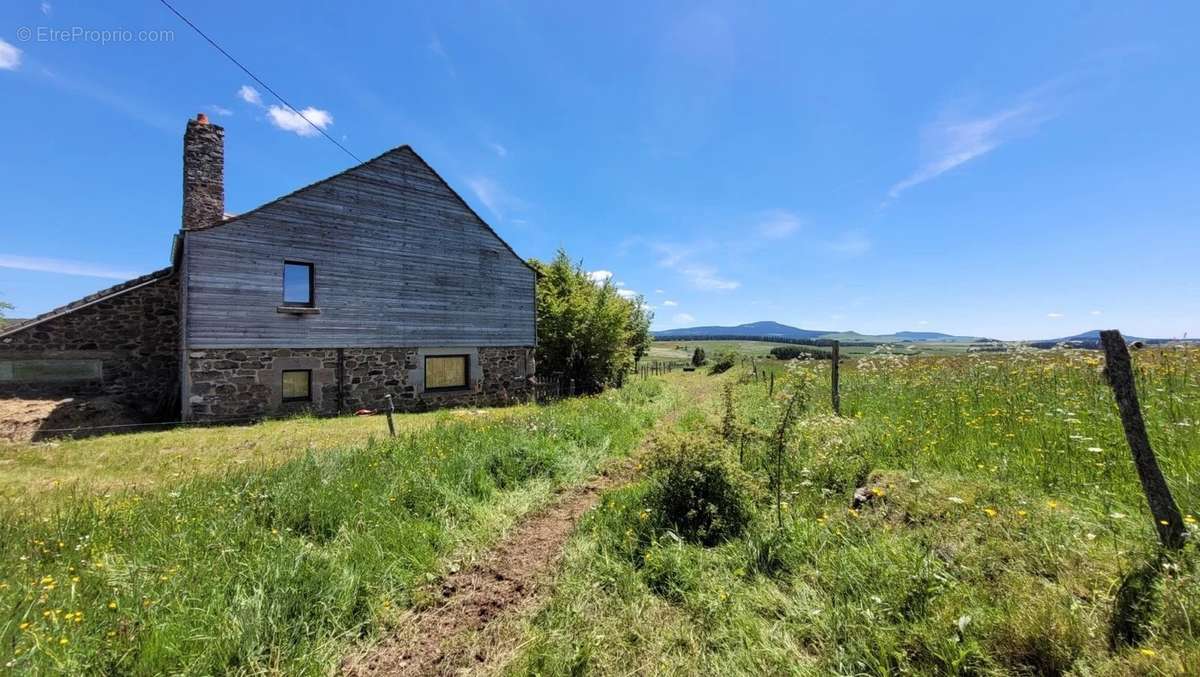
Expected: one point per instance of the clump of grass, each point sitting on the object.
(275, 570)
(696, 491)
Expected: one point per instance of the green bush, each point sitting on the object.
(695, 492)
(586, 332)
(723, 364)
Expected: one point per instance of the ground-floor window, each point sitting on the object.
(444, 372)
(297, 385)
(50, 371)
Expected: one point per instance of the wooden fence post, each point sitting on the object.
(1118, 369)
(834, 380)
(391, 408)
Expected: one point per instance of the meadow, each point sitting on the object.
(1002, 530)
(279, 565)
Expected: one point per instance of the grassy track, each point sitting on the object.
(1005, 535)
(278, 569)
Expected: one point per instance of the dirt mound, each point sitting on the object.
(22, 420)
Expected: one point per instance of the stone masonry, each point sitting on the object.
(229, 384)
(203, 173)
(132, 329)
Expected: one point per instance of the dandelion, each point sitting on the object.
(990, 512)
(64, 641)
(1148, 652)
(1052, 504)
(1022, 513)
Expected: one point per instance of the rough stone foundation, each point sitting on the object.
(230, 384)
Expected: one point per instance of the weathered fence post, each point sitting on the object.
(1119, 371)
(771, 388)
(834, 384)
(391, 408)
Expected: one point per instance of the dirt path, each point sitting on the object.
(506, 581)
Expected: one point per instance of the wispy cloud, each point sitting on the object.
(1095, 312)
(683, 318)
(47, 8)
(953, 139)
(778, 223)
(670, 303)
(659, 291)
(700, 275)
(220, 110)
(64, 267)
(498, 149)
(250, 95)
(850, 243)
(10, 56)
(493, 196)
(600, 276)
(439, 50)
(1054, 316)
(298, 122)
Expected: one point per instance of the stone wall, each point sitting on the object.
(132, 329)
(232, 384)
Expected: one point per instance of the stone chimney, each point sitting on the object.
(203, 173)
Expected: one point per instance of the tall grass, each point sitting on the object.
(1004, 534)
(276, 570)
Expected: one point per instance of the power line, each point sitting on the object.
(257, 79)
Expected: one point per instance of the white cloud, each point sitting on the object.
(250, 95)
(682, 318)
(778, 223)
(600, 276)
(850, 243)
(63, 267)
(220, 110)
(670, 303)
(923, 322)
(627, 293)
(1095, 312)
(291, 121)
(952, 141)
(618, 283)
(700, 275)
(659, 291)
(47, 8)
(1054, 316)
(10, 56)
(498, 201)
(498, 149)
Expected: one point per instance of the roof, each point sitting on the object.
(116, 290)
(396, 150)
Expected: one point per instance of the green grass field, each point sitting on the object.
(1005, 532)
(681, 351)
(279, 565)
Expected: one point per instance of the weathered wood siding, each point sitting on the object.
(400, 261)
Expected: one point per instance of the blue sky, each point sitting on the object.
(1028, 170)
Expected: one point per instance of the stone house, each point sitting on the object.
(376, 281)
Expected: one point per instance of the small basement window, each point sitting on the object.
(297, 385)
(298, 284)
(445, 372)
(50, 371)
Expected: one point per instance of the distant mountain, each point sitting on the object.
(753, 329)
(768, 330)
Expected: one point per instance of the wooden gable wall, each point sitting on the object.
(400, 260)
